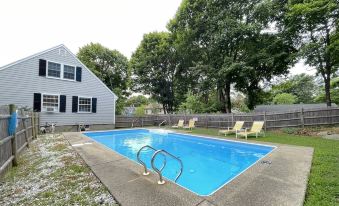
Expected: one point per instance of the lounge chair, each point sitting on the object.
(179, 125)
(256, 129)
(190, 124)
(237, 127)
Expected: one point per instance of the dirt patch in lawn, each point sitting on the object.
(50, 172)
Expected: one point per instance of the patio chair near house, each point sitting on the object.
(257, 128)
(191, 124)
(237, 127)
(180, 124)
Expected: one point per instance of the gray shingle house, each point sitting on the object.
(55, 83)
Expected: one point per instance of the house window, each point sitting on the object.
(54, 69)
(50, 103)
(69, 72)
(85, 104)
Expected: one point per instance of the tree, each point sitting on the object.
(313, 24)
(302, 86)
(137, 101)
(224, 36)
(334, 92)
(265, 56)
(192, 104)
(110, 66)
(155, 67)
(284, 98)
(140, 111)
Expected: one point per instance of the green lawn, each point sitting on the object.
(323, 184)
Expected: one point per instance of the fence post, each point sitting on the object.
(38, 119)
(142, 122)
(33, 126)
(232, 119)
(206, 119)
(302, 120)
(331, 117)
(13, 140)
(25, 128)
(265, 122)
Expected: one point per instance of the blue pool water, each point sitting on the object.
(208, 163)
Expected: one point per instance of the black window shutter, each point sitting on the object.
(62, 107)
(74, 104)
(42, 67)
(94, 105)
(78, 74)
(37, 102)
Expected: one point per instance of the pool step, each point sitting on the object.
(159, 171)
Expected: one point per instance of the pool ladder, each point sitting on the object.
(159, 171)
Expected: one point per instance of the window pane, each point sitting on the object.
(50, 102)
(69, 72)
(85, 104)
(54, 69)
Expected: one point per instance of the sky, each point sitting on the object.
(28, 27)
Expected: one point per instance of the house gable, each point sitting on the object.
(22, 81)
(63, 52)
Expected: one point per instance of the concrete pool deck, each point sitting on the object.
(283, 182)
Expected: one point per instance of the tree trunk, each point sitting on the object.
(224, 93)
(251, 99)
(228, 106)
(252, 95)
(328, 90)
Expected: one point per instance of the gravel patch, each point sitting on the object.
(50, 172)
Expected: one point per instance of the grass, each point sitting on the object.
(323, 183)
(51, 173)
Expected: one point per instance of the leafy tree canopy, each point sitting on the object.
(313, 26)
(225, 42)
(302, 86)
(137, 101)
(110, 66)
(154, 67)
(284, 98)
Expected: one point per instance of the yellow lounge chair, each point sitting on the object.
(180, 124)
(190, 124)
(256, 129)
(237, 127)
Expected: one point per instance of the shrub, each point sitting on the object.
(284, 98)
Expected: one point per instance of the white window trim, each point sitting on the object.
(42, 102)
(61, 71)
(91, 98)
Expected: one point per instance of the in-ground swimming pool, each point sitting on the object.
(208, 163)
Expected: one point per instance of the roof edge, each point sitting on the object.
(30, 57)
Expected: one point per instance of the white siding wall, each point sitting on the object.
(20, 81)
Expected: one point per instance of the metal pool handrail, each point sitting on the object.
(161, 181)
(143, 163)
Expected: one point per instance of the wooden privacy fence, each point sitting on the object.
(12, 145)
(300, 118)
